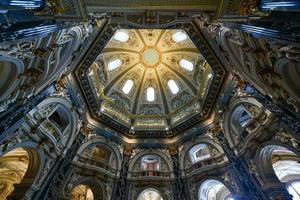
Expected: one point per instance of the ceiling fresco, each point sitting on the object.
(150, 79)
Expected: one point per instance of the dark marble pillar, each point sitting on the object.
(250, 189)
(58, 174)
(277, 191)
(280, 109)
(121, 186)
(180, 187)
(18, 110)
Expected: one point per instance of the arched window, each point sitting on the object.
(112, 65)
(179, 36)
(150, 164)
(199, 152)
(17, 167)
(127, 86)
(121, 36)
(82, 192)
(213, 190)
(150, 94)
(173, 86)
(242, 115)
(60, 118)
(244, 119)
(97, 155)
(10, 68)
(59, 121)
(187, 65)
(150, 194)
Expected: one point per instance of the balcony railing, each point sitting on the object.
(52, 128)
(205, 163)
(150, 173)
(103, 164)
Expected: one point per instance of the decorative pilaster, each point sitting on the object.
(50, 190)
(249, 188)
(281, 111)
(180, 188)
(121, 188)
(16, 112)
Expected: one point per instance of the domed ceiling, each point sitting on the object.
(150, 79)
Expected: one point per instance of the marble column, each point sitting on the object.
(282, 111)
(16, 112)
(180, 188)
(248, 186)
(121, 186)
(50, 188)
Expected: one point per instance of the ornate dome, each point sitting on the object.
(150, 78)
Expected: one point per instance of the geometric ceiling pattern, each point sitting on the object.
(150, 78)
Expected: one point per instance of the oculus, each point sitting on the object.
(150, 57)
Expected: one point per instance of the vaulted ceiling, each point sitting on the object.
(150, 82)
(163, 61)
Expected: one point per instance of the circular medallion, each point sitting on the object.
(150, 57)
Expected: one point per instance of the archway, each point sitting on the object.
(213, 190)
(59, 121)
(82, 192)
(290, 74)
(150, 165)
(99, 156)
(150, 194)
(286, 166)
(199, 152)
(9, 70)
(243, 120)
(18, 169)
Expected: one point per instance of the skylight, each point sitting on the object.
(121, 36)
(127, 86)
(150, 94)
(186, 64)
(179, 36)
(173, 86)
(114, 64)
